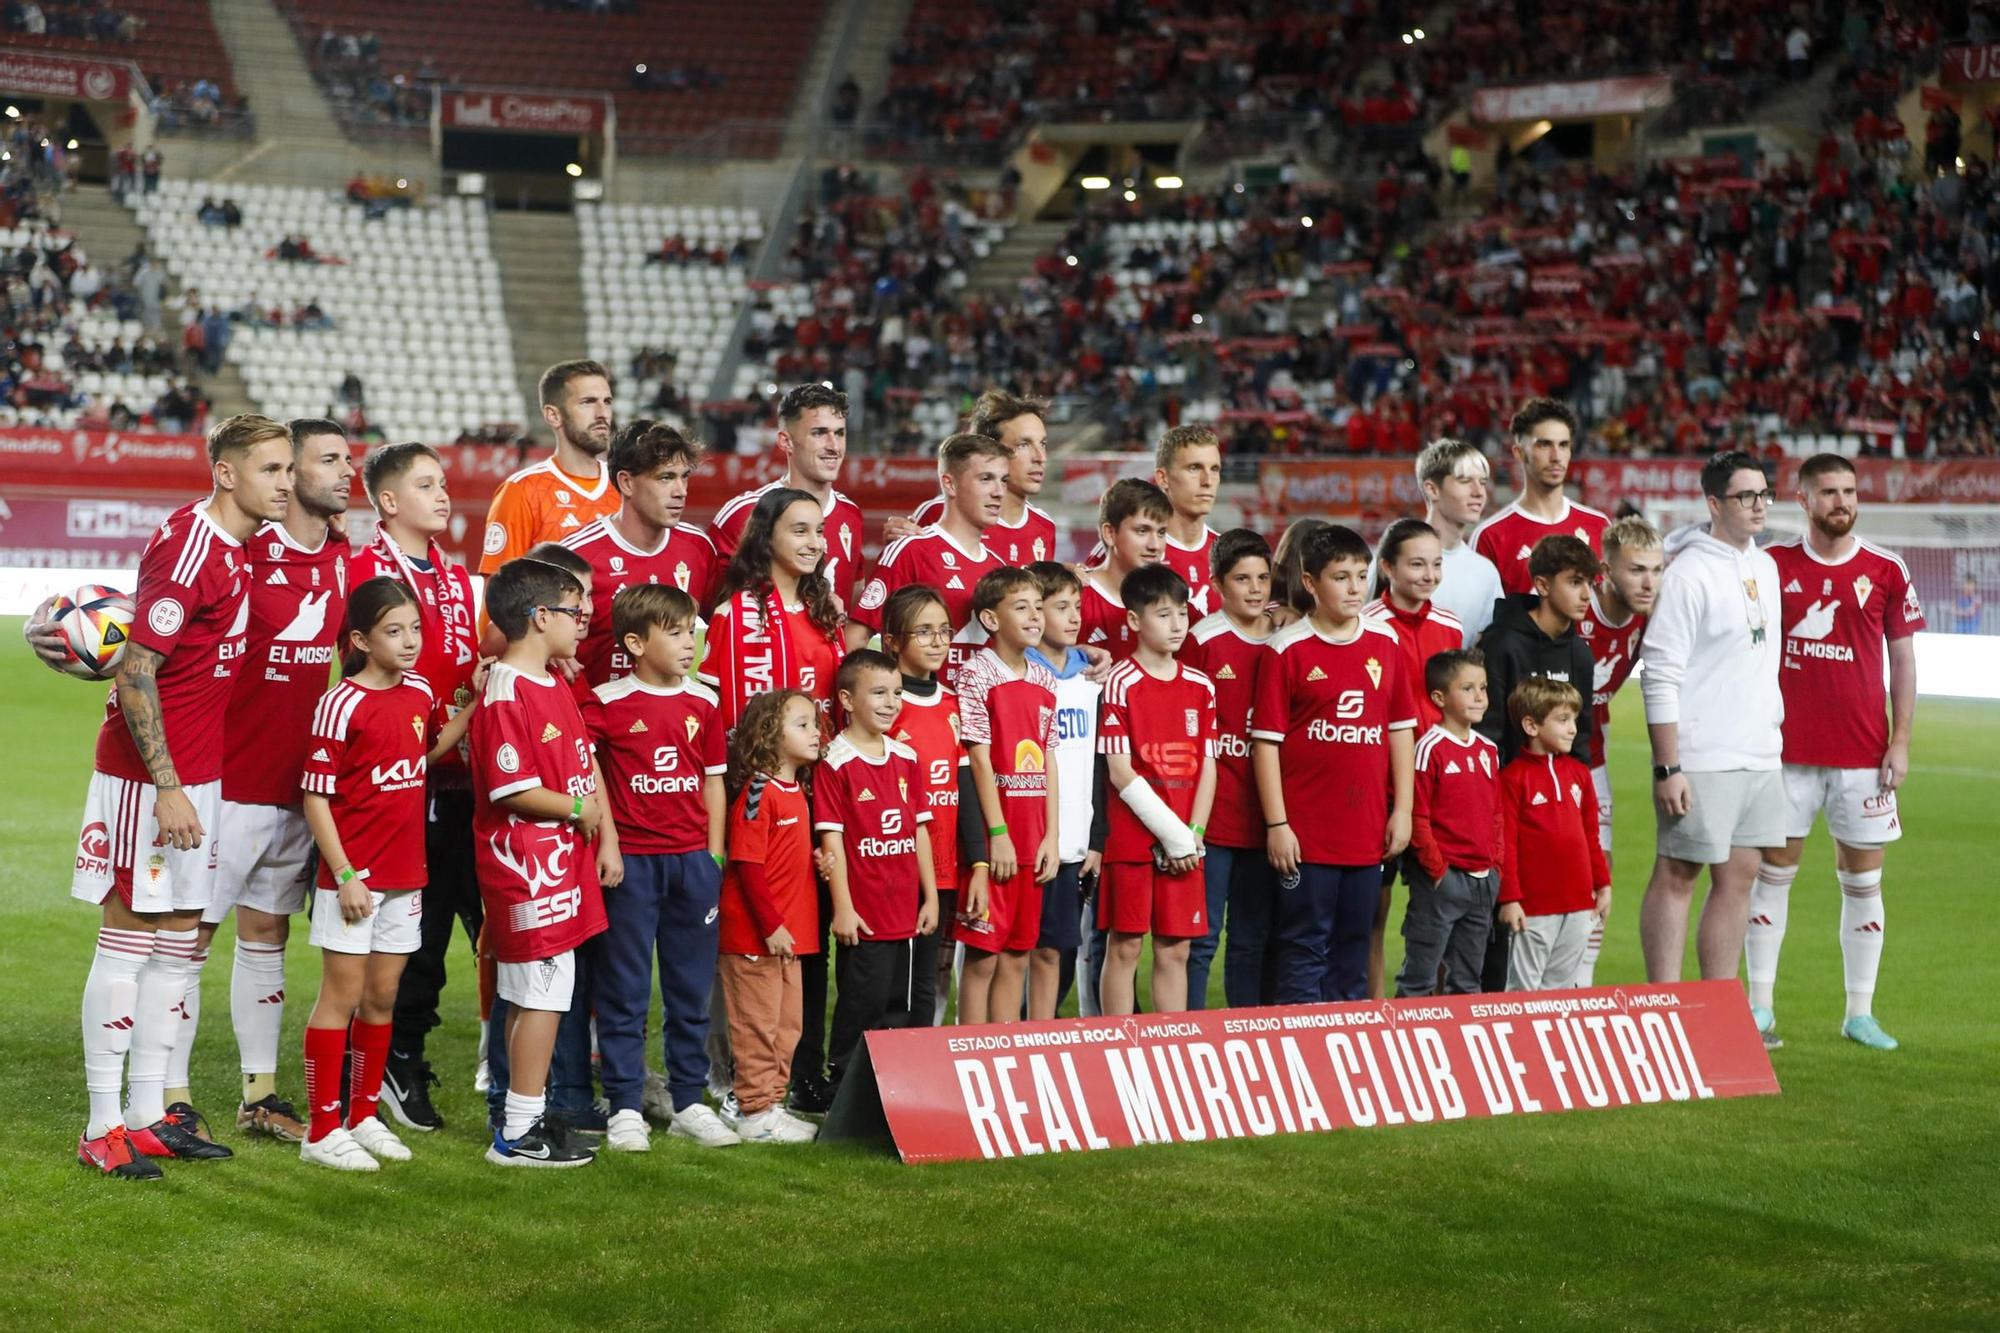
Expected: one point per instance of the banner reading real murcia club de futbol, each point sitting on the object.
(1081, 1085)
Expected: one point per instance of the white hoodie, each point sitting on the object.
(1706, 669)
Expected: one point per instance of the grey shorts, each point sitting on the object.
(1738, 807)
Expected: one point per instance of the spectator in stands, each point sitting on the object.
(210, 212)
(149, 168)
(352, 394)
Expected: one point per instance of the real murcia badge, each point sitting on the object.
(1373, 666)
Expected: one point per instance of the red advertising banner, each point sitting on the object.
(40, 75)
(1970, 64)
(522, 113)
(1318, 485)
(1971, 481)
(1572, 101)
(1083, 1085)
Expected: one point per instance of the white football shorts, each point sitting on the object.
(266, 861)
(118, 850)
(396, 926)
(1858, 812)
(546, 983)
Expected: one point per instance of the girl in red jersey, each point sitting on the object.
(1410, 565)
(374, 737)
(770, 907)
(776, 624)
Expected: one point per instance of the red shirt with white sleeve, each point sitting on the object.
(1017, 544)
(1509, 537)
(875, 804)
(846, 525)
(657, 746)
(1103, 623)
(537, 877)
(1614, 651)
(298, 603)
(193, 608)
(1190, 562)
(769, 827)
(1166, 727)
(1423, 633)
(929, 725)
(449, 613)
(367, 759)
(1839, 617)
(1330, 706)
(932, 557)
(1550, 861)
(685, 559)
(1456, 824)
(1229, 658)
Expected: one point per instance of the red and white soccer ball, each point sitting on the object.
(95, 623)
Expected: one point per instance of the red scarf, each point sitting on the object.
(759, 652)
(451, 633)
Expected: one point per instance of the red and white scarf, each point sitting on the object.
(444, 604)
(759, 651)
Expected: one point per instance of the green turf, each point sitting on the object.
(1861, 1197)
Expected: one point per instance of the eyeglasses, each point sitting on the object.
(573, 612)
(1751, 499)
(931, 634)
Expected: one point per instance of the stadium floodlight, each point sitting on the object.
(574, 169)
(1197, 319)
(13, 113)
(1070, 260)
(1167, 182)
(1409, 40)
(71, 145)
(1131, 196)
(1417, 33)
(1306, 223)
(1095, 182)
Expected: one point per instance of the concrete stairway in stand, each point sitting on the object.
(541, 285)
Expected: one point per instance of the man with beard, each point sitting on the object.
(1845, 602)
(559, 495)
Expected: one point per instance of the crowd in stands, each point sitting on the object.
(89, 20)
(348, 68)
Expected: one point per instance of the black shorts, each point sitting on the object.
(1062, 909)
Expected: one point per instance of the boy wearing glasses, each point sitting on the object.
(1714, 713)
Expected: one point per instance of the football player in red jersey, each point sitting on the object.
(812, 436)
(147, 854)
(1845, 601)
(1132, 521)
(1544, 432)
(1022, 534)
(1187, 467)
(298, 599)
(948, 556)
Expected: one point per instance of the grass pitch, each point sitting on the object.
(1862, 1197)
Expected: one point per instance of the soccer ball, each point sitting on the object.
(95, 623)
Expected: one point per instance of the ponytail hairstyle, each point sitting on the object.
(1399, 535)
(750, 569)
(366, 606)
(1288, 580)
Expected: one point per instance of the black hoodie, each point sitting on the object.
(1515, 648)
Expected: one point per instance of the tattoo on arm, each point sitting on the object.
(139, 701)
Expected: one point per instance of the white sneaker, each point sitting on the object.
(703, 1126)
(339, 1151)
(482, 1078)
(809, 1127)
(379, 1140)
(627, 1132)
(656, 1103)
(774, 1126)
(730, 1111)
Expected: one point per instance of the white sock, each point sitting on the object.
(190, 1016)
(1770, 904)
(522, 1113)
(110, 996)
(1593, 945)
(155, 1016)
(257, 1003)
(1860, 936)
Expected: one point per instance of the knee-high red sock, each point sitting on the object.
(369, 1052)
(326, 1048)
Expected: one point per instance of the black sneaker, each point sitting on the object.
(406, 1094)
(591, 1120)
(563, 1128)
(176, 1132)
(811, 1096)
(544, 1145)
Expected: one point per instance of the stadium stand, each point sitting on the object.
(174, 43)
(409, 305)
(662, 287)
(678, 69)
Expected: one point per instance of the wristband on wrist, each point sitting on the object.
(997, 831)
(720, 860)
(1276, 823)
(1197, 829)
(576, 810)
(982, 865)
(343, 876)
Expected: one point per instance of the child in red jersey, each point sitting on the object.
(1008, 706)
(1553, 881)
(916, 628)
(1156, 728)
(1226, 647)
(1132, 523)
(770, 909)
(374, 736)
(1332, 720)
(539, 808)
(1455, 836)
(869, 807)
(776, 624)
(661, 746)
(1410, 563)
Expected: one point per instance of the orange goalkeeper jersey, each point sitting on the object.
(542, 504)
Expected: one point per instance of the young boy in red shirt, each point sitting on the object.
(1554, 884)
(1132, 524)
(538, 807)
(869, 799)
(1156, 729)
(661, 746)
(1007, 710)
(1455, 835)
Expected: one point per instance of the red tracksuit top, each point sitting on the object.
(1550, 860)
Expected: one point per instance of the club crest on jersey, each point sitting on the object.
(847, 542)
(693, 725)
(417, 725)
(562, 497)
(1193, 722)
(1040, 551)
(903, 786)
(1862, 587)
(277, 550)
(617, 564)
(950, 560)
(681, 576)
(1373, 666)
(953, 719)
(550, 732)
